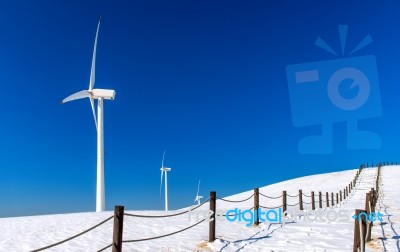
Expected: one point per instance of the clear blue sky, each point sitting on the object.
(205, 80)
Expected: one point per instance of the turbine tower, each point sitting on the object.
(164, 170)
(198, 197)
(100, 95)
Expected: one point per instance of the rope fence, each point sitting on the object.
(75, 236)
(162, 236)
(270, 207)
(108, 246)
(317, 200)
(236, 201)
(168, 215)
(270, 197)
(362, 223)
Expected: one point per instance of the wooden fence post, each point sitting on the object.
(332, 199)
(256, 205)
(301, 199)
(312, 200)
(118, 228)
(284, 207)
(327, 199)
(337, 199)
(368, 211)
(344, 194)
(213, 200)
(367, 200)
(340, 195)
(320, 199)
(359, 241)
(374, 199)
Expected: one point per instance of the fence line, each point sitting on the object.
(348, 191)
(270, 207)
(168, 215)
(236, 201)
(73, 237)
(270, 197)
(165, 235)
(362, 223)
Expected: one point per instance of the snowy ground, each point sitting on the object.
(386, 235)
(28, 233)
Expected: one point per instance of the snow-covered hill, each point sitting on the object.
(29, 233)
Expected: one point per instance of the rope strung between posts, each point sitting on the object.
(270, 197)
(293, 205)
(73, 237)
(105, 247)
(306, 195)
(161, 236)
(271, 207)
(168, 215)
(307, 202)
(236, 201)
(293, 196)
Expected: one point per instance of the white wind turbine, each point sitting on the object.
(99, 95)
(198, 197)
(164, 170)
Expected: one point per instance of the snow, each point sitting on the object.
(386, 235)
(33, 232)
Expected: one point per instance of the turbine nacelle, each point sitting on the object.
(166, 169)
(100, 95)
(198, 197)
(107, 94)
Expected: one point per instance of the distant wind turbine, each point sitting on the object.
(198, 197)
(164, 170)
(99, 95)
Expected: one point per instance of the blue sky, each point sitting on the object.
(205, 80)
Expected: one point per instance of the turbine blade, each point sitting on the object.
(93, 69)
(94, 112)
(162, 173)
(198, 187)
(77, 95)
(162, 162)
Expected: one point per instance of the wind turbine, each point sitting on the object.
(198, 197)
(100, 95)
(164, 170)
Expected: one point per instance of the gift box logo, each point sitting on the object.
(343, 89)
